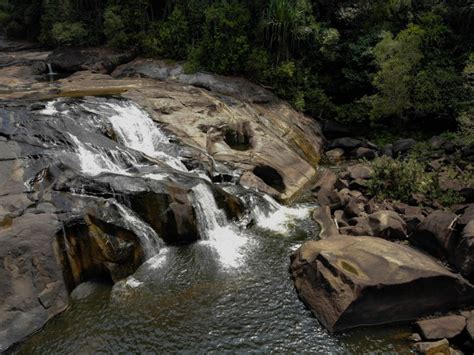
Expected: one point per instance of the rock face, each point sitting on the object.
(359, 281)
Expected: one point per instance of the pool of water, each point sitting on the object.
(188, 300)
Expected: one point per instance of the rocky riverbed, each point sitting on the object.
(107, 161)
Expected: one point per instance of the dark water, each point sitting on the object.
(190, 303)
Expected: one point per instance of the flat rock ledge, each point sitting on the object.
(349, 281)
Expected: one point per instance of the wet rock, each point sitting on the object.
(322, 216)
(439, 328)
(403, 145)
(435, 347)
(84, 290)
(248, 179)
(345, 143)
(393, 282)
(435, 233)
(335, 155)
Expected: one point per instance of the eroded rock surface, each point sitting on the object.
(358, 281)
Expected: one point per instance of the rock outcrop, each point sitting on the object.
(359, 281)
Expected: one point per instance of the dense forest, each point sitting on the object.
(380, 61)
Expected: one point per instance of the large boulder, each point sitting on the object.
(358, 281)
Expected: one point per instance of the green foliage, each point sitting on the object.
(397, 59)
(174, 35)
(401, 180)
(69, 34)
(224, 47)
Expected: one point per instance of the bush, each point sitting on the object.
(69, 34)
(224, 48)
(400, 180)
(173, 36)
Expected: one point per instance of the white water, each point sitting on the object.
(215, 230)
(148, 237)
(95, 161)
(136, 130)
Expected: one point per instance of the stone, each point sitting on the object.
(353, 208)
(394, 282)
(364, 153)
(435, 233)
(433, 348)
(345, 143)
(443, 327)
(84, 290)
(322, 216)
(470, 325)
(326, 180)
(402, 146)
(412, 221)
(334, 129)
(340, 219)
(466, 217)
(463, 255)
(387, 150)
(329, 198)
(334, 155)
(415, 337)
(436, 142)
(388, 225)
(359, 171)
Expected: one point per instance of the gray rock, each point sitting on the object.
(345, 143)
(359, 171)
(364, 153)
(84, 290)
(335, 155)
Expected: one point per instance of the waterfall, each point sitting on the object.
(136, 130)
(214, 228)
(149, 239)
(95, 161)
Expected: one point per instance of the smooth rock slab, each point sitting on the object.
(349, 282)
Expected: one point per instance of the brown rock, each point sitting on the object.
(326, 180)
(388, 225)
(322, 216)
(393, 282)
(435, 233)
(444, 327)
(335, 155)
(359, 171)
(440, 347)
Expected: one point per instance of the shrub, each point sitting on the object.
(173, 35)
(69, 34)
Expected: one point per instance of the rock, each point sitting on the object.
(345, 143)
(415, 337)
(393, 282)
(358, 185)
(322, 216)
(412, 221)
(334, 129)
(444, 327)
(449, 147)
(364, 153)
(98, 59)
(463, 255)
(387, 150)
(388, 225)
(435, 233)
(341, 184)
(470, 325)
(326, 180)
(353, 208)
(84, 290)
(433, 348)
(335, 155)
(340, 219)
(248, 179)
(436, 142)
(466, 217)
(329, 198)
(402, 145)
(359, 171)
